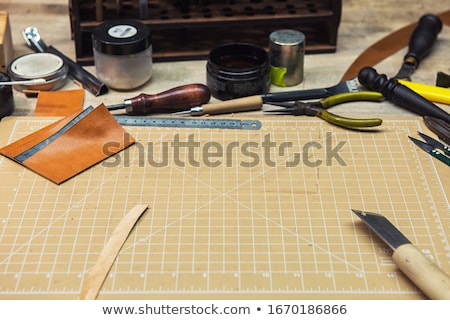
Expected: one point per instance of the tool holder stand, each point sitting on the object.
(189, 29)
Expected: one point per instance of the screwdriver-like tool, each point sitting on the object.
(173, 100)
(420, 44)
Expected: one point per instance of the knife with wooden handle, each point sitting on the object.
(426, 275)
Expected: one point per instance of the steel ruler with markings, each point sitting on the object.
(189, 123)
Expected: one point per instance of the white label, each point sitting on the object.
(122, 31)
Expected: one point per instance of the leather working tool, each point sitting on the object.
(422, 36)
(256, 102)
(438, 127)
(189, 123)
(432, 147)
(426, 275)
(172, 100)
(317, 108)
(430, 92)
(420, 44)
(399, 94)
(385, 47)
(88, 80)
(437, 144)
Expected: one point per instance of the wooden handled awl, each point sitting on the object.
(250, 103)
(426, 275)
(176, 99)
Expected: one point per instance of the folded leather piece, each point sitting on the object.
(59, 103)
(69, 146)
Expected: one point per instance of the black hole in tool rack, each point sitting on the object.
(164, 14)
(227, 12)
(249, 11)
(269, 10)
(206, 12)
(291, 9)
(312, 7)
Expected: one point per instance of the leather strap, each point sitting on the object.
(386, 47)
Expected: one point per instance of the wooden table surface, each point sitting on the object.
(363, 23)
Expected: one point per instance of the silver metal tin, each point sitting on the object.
(287, 50)
(33, 66)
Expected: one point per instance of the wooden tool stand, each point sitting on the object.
(189, 29)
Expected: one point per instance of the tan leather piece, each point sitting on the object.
(59, 103)
(385, 47)
(27, 142)
(75, 150)
(105, 261)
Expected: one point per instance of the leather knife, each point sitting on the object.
(426, 275)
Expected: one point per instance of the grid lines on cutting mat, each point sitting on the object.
(279, 226)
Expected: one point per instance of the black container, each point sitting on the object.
(6, 97)
(237, 70)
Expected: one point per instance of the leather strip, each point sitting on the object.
(385, 47)
(97, 276)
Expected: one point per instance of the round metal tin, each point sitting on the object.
(32, 66)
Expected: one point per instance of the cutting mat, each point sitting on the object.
(260, 215)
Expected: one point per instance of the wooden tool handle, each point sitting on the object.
(234, 105)
(432, 280)
(176, 99)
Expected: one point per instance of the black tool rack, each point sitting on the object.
(189, 29)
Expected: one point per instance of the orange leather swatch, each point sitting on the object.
(71, 145)
(59, 103)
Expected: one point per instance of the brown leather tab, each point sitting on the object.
(385, 47)
(59, 103)
(70, 145)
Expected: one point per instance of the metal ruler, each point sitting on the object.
(189, 123)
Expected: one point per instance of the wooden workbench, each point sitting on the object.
(363, 23)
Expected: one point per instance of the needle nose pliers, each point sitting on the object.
(318, 109)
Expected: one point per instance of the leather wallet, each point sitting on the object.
(69, 146)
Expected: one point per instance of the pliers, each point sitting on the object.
(317, 108)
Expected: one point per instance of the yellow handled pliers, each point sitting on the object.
(317, 108)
